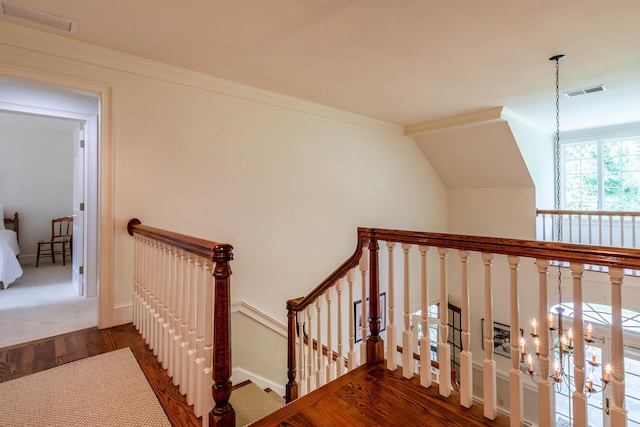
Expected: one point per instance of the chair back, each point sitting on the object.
(62, 228)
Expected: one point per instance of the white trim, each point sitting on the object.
(492, 114)
(50, 44)
(601, 134)
(105, 179)
(122, 314)
(239, 375)
(258, 316)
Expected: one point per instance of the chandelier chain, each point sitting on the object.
(558, 171)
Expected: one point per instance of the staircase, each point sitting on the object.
(251, 403)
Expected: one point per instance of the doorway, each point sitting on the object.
(84, 118)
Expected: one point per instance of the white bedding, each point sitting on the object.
(10, 268)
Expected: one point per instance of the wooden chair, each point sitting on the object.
(61, 234)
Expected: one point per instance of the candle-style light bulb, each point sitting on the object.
(607, 372)
(537, 346)
(590, 388)
(522, 345)
(593, 357)
(550, 321)
(533, 326)
(570, 336)
(589, 332)
(530, 364)
(556, 372)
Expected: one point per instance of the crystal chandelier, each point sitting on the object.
(563, 340)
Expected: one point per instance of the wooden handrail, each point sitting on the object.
(565, 252)
(223, 414)
(576, 212)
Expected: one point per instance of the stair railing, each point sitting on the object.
(477, 258)
(182, 310)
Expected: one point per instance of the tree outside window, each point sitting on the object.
(602, 175)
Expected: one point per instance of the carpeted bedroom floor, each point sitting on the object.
(43, 303)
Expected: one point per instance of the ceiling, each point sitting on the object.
(406, 62)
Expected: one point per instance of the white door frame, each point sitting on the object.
(104, 224)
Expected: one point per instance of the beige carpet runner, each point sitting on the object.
(105, 390)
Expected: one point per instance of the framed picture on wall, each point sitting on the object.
(357, 314)
(501, 338)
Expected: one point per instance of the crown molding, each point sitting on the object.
(66, 48)
(476, 117)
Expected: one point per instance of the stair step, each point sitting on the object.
(251, 403)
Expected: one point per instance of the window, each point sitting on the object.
(454, 336)
(601, 174)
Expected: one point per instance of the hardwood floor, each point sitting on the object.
(367, 396)
(371, 395)
(21, 360)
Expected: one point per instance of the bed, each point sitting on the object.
(10, 268)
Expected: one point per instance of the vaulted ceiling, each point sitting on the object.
(406, 62)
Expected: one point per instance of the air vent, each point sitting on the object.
(38, 17)
(586, 91)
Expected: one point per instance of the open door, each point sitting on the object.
(78, 209)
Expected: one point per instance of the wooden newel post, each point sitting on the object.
(292, 385)
(223, 414)
(375, 345)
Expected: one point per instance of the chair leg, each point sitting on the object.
(53, 255)
(64, 253)
(38, 255)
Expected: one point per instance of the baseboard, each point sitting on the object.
(258, 316)
(239, 375)
(122, 314)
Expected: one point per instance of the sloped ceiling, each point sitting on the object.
(480, 155)
(405, 62)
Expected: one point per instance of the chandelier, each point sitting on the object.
(563, 340)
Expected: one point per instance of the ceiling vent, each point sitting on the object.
(38, 17)
(579, 92)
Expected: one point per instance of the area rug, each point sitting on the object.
(109, 389)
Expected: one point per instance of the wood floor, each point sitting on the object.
(371, 395)
(18, 361)
(367, 396)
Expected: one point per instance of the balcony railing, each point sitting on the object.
(340, 314)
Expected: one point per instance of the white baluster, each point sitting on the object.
(164, 324)
(407, 337)
(489, 365)
(365, 308)
(198, 366)
(177, 338)
(466, 361)
(515, 376)
(618, 411)
(444, 351)
(392, 358)
(330, 371)
(156, 298)
(311, 382)
(351, 356)
(172, 311)
(425, 341)
(302, 374)
(184, 344)
(136, 274)
(341, 369)
(206, 375)
(579, 396)
(546, 394)
(191, 352)
(319, 364)
(151, 341)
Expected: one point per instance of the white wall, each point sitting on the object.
(36, 177)
(284, 181)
